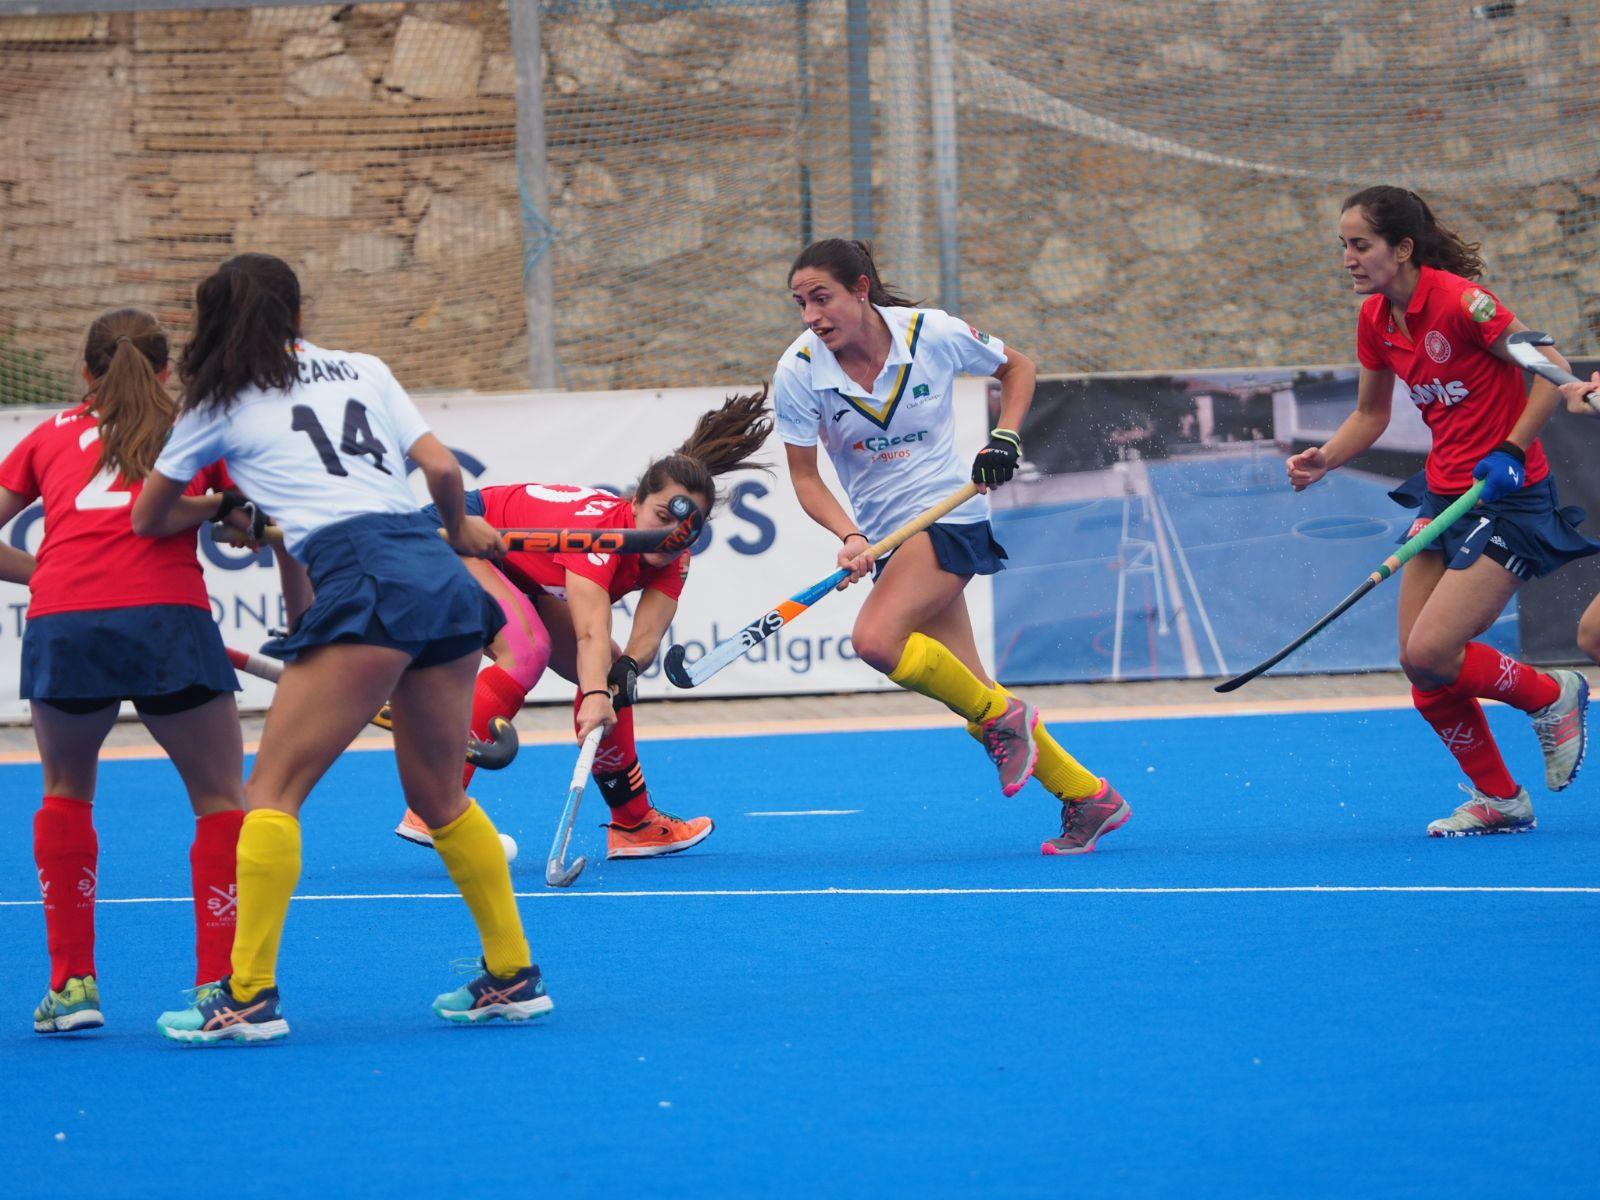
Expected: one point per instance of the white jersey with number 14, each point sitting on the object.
(331, 447)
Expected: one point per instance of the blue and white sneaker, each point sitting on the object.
(518, 998)
(218, 1017)
(75, 1006)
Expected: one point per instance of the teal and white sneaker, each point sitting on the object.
(218, 1017)
(1486, 814)
(75, 1006)
(518, 998)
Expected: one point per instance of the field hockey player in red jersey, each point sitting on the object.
(1427, 322)
(117, 617)
(319, 438)
(874, 369)
(558, 613)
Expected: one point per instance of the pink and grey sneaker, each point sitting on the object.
(1482, 813)
(1561, 729)
(1084, 822)
(1008, 740)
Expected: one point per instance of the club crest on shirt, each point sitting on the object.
(1437, 346)
(1479, 305)
(979, 334)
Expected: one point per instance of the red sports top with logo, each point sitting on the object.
(1470, 398)
(563, 506)
(90, 557)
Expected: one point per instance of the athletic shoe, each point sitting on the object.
(1561, 729)
(414, 829)
(218, 1017)
(1084, 822)
(1008, 739)
(516, 999)
(1486, 814)
(659, 833)
(75, 1006)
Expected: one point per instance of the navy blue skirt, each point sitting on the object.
(119, 653)
(474, 508)
(1527, 532)
(968, 549)
(389, 579)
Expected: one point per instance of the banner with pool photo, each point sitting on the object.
(1155, 534)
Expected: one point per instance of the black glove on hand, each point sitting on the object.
(997, 462)
(234, 500)
(624, 678)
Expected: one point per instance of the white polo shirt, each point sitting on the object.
(894, 447)
(333, 446)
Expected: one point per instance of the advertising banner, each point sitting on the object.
(758, 549)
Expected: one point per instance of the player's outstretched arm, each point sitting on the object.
(823, 507)
(163, 510)
(1362, 428)
(16, 566)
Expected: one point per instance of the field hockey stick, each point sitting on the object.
(492, 755)
(691, 674)
(669, 539)
(556, 871)
(1523, 347)
(1414, 546)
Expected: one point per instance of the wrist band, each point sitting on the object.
(854, 533)
(1511, 448)
(606, 692)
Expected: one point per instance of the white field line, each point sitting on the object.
(1289, 889)
(806, 812)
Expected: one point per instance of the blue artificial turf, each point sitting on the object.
(1388, 1043)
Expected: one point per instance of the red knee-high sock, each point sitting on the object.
(1462, 727)
(68, 854)
(497, 694)
(617, 772)
(1488, 673)
(214, 870)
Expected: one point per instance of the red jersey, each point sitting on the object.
(1469, 398)
(90, 557)
(563, 506)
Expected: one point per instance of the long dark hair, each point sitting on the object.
(246, 318)
(848, 261)
(723, 440)
(1396, 214)
(125, 350)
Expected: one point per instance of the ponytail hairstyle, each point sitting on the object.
(848, 261)
(246, 318)
(723, 440)
(125, 351)
(1396, 214)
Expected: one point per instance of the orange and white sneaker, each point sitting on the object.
(414, 830)
(659, 833)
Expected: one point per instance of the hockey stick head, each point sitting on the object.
(687, 531)
(557, 876)
(675, 667)
(498, 751)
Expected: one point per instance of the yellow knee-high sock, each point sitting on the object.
(476, 860)
(269, 869)
(928, 668)
(1062, 775)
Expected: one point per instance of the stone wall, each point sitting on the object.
(374, 147)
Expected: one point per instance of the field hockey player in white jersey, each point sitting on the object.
(319, 438)
(872, 380)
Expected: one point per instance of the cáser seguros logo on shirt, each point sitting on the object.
(876, 445)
